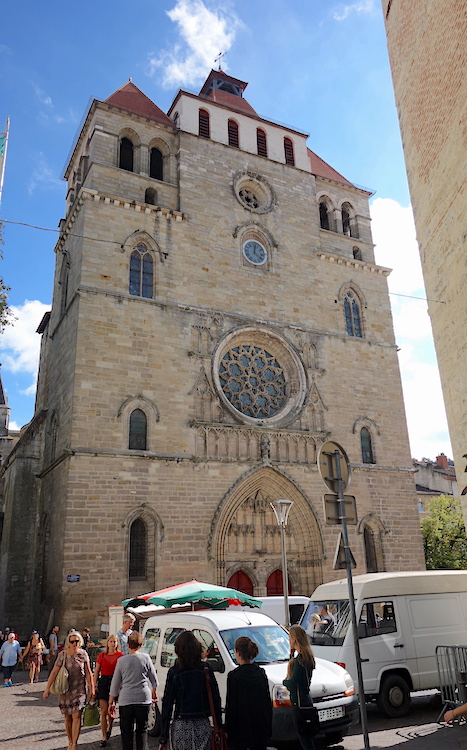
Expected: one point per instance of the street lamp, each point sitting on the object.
(281, 510)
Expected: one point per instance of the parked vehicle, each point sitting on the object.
(332, 688)
(273, 606)
(401, 618)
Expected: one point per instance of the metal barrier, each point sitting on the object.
(452, 673)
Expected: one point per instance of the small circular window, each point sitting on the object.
(259, 376)
(253, 192)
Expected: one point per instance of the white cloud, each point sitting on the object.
(396, 247)
(20, 344)
(364, 6)
(42, 96)
(204, 34)
(43, 176)
(14, 425)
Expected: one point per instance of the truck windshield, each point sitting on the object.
(272, 641)
(327, 622)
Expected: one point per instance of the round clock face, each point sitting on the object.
(254, 252)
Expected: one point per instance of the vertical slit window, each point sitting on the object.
(366, 445)
(138, 549)
(261, 142)
(232, 128)
(204, 129)
(141, 273)
(137, 439)
(352, 316)
(156, 165)
(126, 155)
(289, 152)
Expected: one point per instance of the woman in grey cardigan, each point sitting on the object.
(135, 682)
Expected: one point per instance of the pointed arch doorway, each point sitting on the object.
(245, 537)
(242, 582)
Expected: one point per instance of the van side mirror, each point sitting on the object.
(216, 663)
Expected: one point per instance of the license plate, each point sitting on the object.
(331, 713)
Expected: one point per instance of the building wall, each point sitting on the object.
(427, 51)
(204, 483)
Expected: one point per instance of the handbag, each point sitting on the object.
(307, 720)
(60, 684)
(91, 717)
(219, 737)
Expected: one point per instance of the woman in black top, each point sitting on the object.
(186, 690)
(297, 682)
(248, 707)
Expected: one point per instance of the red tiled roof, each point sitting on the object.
(130, 98)
(224, 77)
(320, 168)
(231, 101)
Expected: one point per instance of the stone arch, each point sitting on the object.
(161, 145)
(154, 539)
(244, 532)
(372, 529)
(241, 567)
(152, 415)
(365, 422)
(132, 136)
(349, 219)
(326, 211)
(140, 237)
(367, 443)
(353, 307)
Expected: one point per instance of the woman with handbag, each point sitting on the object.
(191, 689)
(71, 703)
(297, 682)
(248, 706)
(135, 682)
(103, 673)
(34, 651)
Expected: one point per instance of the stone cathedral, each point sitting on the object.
(217, 315)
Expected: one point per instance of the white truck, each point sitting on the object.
(402, 618)
(332, 688)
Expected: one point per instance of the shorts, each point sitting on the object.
(103, 688)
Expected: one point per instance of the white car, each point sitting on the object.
(332, 688)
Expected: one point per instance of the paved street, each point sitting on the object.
(30, 723)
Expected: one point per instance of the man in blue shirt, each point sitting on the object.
(9, 653)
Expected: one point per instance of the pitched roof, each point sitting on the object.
(320, 168)
(231, 101)
(130, 98)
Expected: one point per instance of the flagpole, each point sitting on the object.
(3, 150)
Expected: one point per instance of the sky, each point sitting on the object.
(320, 66)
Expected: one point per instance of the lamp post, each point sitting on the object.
(281, 510)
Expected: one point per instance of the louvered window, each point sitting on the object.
(204, 126)
(289, 153)
(233, 133)
(261, 142)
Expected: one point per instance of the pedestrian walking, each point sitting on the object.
(124, 633)
(297, 682)
(135, 682)
(248, 706)
(186, 692)
(53, 646)
(103, 673)
(34, 651)
(9, 654)
(72, 702)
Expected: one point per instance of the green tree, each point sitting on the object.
(444, 538)
(6, 314)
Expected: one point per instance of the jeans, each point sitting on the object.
(306, 741)
(129, 715)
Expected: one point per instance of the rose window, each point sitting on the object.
(253, 381)
(249, 198)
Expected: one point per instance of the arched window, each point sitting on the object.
(324, 215)
(150, 196)
(241, 582)
(370, 550)
(349, 222)
(204, 128)
(232, 129)
(126, 155)
(345, 222)
(138, 549)
(352, 315)
(289, 152)
(141, 273)
(261, 142)
(366, 446)
(138, 432)
(156, 168)
(275, 584)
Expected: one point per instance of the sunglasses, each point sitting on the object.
(75, 641)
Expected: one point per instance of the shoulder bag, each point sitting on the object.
(308, 721)
(219, 737)
(60, 684)
(91, 717)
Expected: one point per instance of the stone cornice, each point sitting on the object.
(358, 265)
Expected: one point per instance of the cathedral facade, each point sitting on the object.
(217, 315)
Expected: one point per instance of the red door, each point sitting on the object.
(241, 582)
(275, 584)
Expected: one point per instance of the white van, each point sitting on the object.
(402, 618)
(273, 606)
(332, 688)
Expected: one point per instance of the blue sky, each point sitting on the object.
(321, 67)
